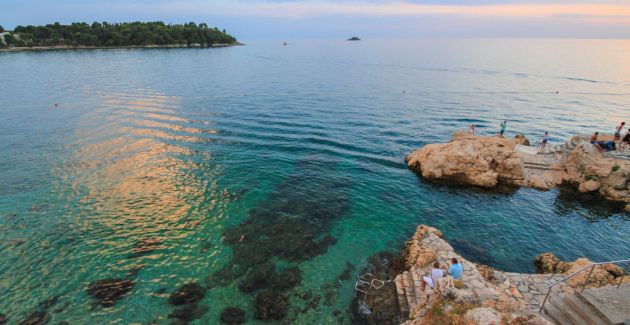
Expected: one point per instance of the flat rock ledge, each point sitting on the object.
(489, 161)
(484, 295)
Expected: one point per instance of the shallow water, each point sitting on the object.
(220, 159)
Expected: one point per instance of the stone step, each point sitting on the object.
(612, 302)
(586, 311)
(409, 294)
(566, 309)
(402, 299)
(556, 314)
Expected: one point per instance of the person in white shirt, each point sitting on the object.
(436, 274)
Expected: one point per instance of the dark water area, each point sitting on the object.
(155, 186)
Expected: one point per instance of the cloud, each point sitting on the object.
(301, 9)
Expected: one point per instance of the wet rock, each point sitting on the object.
(233, 315)
(600, 276)
(271, 305)
(188, 293)
(189, 312)
(36, 318)
(258, 278)
(549, 263)
(288, 279)
(378, 306)
(3, 319)
(108, 291)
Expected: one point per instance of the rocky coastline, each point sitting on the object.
(484, 296)
(490, 161)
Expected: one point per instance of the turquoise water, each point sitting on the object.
(222, 159)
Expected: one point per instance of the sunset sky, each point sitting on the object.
(252, 19)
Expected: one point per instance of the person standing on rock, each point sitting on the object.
(618, 131)
(544, 141)
(503, 126)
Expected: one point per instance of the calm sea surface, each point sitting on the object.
(170, 166)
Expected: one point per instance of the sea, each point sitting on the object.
(164, 167)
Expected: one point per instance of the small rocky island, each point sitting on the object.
(483, 295)
(490, 161)
(354, 38)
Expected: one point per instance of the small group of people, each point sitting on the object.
(471, 128)
(617, 141)
(438, 272)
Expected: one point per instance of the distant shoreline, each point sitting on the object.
(81, 47)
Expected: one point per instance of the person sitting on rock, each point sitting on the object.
(436, 274)
(456, 270)
(596, 143)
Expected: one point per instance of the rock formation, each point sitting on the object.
(479, 161)
(606, 274)
(489, 161)
(485, 295)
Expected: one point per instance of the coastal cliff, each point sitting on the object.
(489, 161)
(484, 295)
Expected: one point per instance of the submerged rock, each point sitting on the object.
(189, 312)
(233, 315)
(271, 305)
(3, 319)
(108, 291)
(188, 293)
(288, 279)
(36, 318)
(258, 278)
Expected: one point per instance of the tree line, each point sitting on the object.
(118, 34)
